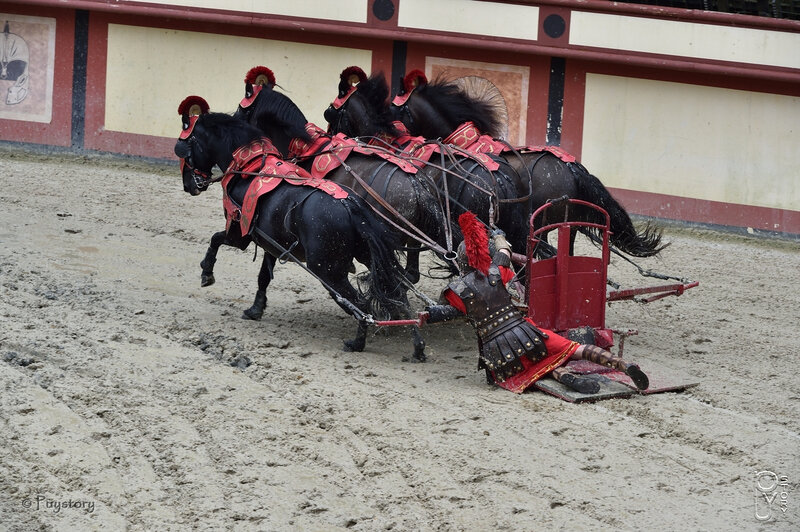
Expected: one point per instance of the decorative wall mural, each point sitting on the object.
(512, 80)
(27, 48)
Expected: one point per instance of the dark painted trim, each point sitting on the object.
(399, 56)
(268, 19)
(555, 100)
(79, 78)
(496, 44)
(765, 220)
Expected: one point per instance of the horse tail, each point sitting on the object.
(645, 242)
(387, 285)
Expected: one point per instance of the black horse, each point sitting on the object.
(314, 226)
(436, 109)
(459, 181)
(398, 195)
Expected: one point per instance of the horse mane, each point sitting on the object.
(229, 130)
(275, 110)
(375, 91)
(458, 107)
(483, 90)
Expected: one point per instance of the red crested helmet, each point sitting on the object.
(476, 242)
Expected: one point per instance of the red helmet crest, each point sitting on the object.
(193, 105)
(190, 108)
(476, 242)
(414, 79)
(260, 75)
(353, 75)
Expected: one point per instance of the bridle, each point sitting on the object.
(405, 112)
(401, 103)
(337, 107)
(334, 116)
(202, 179)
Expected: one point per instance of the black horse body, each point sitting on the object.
(408, 203)
(458, 182)
(324, 232)
(435, 109)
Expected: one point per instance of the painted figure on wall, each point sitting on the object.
(14, 58)
(27, 66)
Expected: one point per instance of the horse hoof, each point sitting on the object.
(251, 314)
(637, 376)
(354, 345)
(416, 358)
(207, 280)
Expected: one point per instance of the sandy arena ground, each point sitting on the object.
(133, 399)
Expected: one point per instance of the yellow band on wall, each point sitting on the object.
(150, 70)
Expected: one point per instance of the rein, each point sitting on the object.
(420, 236)
(202, 179)
(528, 171)
(357, 313)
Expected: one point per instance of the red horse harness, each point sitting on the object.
(329, 152)
(467, 136)
(260, 163)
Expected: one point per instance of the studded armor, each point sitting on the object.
(504, 334)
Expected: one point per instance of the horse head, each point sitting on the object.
(402, 110)
(207, 140)
(435, 109)
(361, 109)
(272, 112)
(196, 164)
(257, 79)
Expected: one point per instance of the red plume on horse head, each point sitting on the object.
(476, 242)
(414, 79)
(190, 108)
(260, 75)
(352, 75)
(193, 105)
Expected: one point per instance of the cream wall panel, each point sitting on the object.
(341, 10)
(692, 141)
(689, 39)
(471, 17)
(150, 70)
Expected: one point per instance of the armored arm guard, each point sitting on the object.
(437, 313)
(501, 259)
(498, 242)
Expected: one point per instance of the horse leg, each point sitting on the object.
(573, 233)
(416, 338)
(264, 277)
(419, 345)
(403, 311)
(340, 288)
(412, 264)
(358, 343)
(207, 264)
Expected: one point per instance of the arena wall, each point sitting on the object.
(684, 114)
